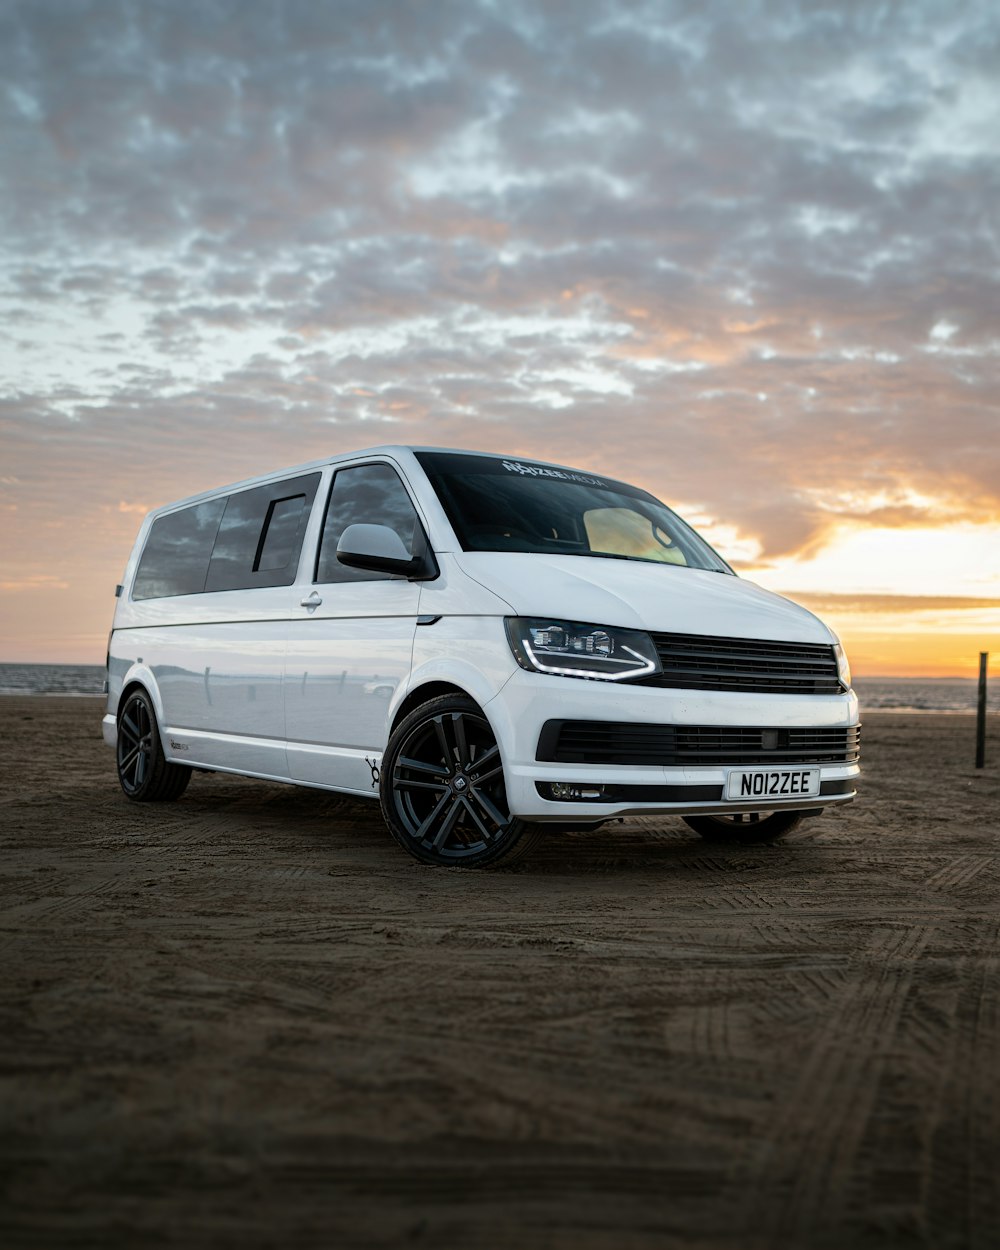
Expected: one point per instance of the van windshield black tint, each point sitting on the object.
(517, 505)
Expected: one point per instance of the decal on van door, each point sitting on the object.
(376, 773)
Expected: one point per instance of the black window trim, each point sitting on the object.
(266, 527)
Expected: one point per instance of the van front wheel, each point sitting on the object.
(744, 826)
(442, 789)
(143, 773)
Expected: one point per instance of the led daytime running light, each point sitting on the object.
(647, 666)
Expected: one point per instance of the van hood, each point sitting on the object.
(659, 597)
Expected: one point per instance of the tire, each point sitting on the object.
(744, 827)
(144, 774)
(442, 789)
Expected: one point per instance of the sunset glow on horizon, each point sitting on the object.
(746, 259)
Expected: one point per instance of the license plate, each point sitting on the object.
(745, 784)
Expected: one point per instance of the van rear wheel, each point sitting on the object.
(744, 826)
(143, 773)
(442, 789)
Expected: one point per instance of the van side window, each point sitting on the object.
(261, 535)
(371, 494)
(175, 558)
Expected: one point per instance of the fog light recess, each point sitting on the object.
(575, 791)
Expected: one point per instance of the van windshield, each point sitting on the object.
(517, 505)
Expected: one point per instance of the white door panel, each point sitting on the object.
(350, 642)
(343, 665)
(224, 706)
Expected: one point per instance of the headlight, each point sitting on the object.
(843, 666)
(569, 649)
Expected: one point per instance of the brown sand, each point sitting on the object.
(249, 1019)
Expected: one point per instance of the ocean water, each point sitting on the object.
(72, 679)
(876, 694)
(925, 694)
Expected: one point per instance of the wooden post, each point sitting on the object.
(981, 712)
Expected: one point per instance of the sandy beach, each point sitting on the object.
(248, 1019)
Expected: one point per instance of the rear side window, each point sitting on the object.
(178, 549)
(371, 494)
(252, 538)
(261, 535)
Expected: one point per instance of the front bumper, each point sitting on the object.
(528, 700)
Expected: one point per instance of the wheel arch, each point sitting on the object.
(127, 689)
(423, 694)
(140, 678)
(448, 671)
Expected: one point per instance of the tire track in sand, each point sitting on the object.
(982, 1102)
(962, 1196)
(805, 1161)
(51, 907)
(960, 871)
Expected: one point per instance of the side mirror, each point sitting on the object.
(380, 549)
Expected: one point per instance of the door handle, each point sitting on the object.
(311, 601)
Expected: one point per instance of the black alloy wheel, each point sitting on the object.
(442, 788)
(744, 826)
(144, 774)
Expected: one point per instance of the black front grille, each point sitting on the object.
(704, 662)
(614, 742)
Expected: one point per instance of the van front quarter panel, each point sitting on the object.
(468, 652)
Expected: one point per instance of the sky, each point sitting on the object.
(745, 256)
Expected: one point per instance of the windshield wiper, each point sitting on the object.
(615, 555)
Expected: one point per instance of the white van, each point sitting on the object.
(488, 645)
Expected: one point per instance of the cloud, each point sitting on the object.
(37, 581)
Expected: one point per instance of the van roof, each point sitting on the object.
(384, 449)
